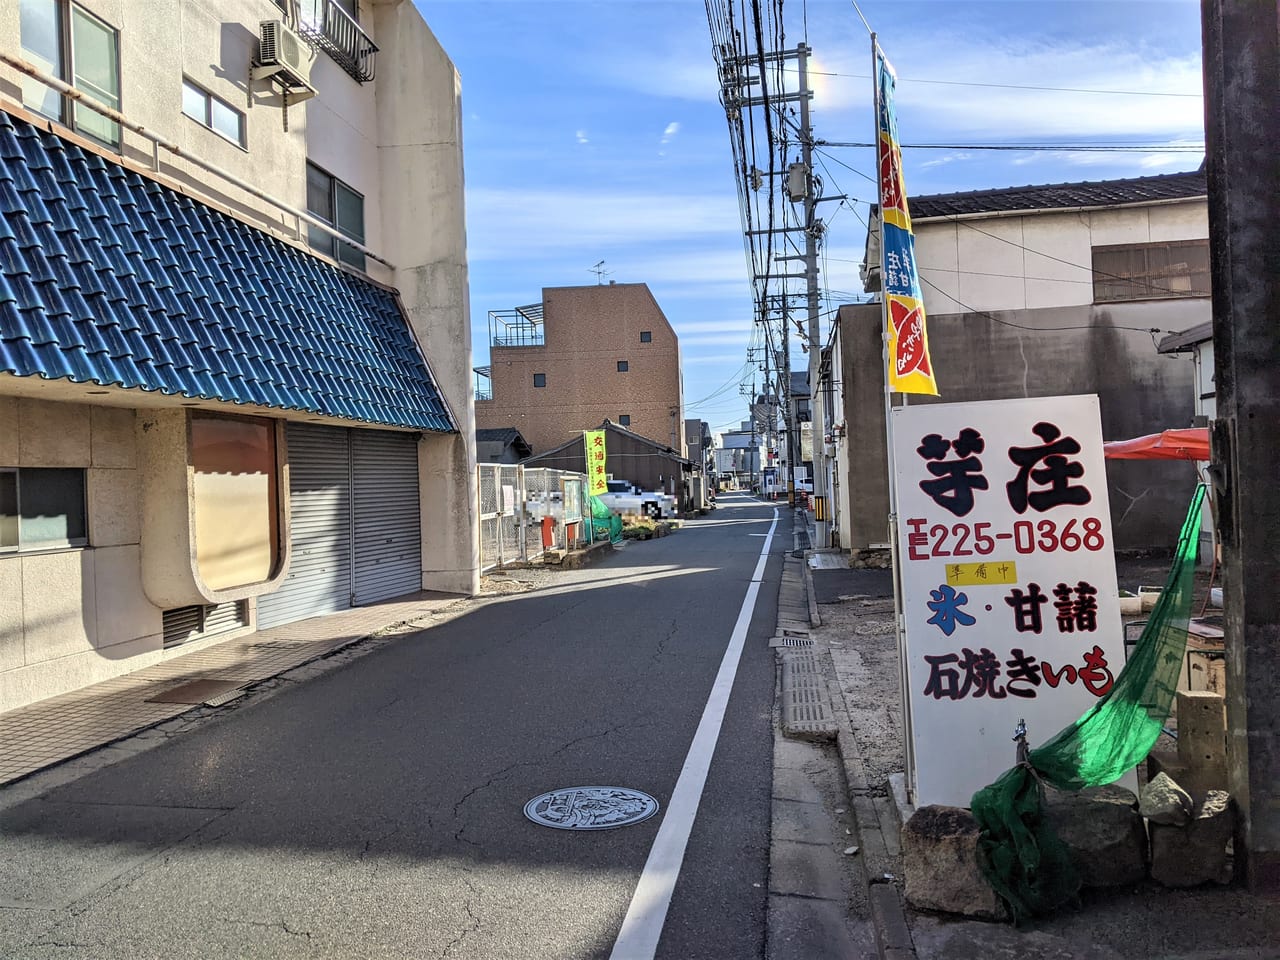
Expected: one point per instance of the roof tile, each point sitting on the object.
(108, 277)
(1089, 193)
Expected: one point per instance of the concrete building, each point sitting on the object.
(1044, 291)
(234, 363)
(738, 457)
(582, 356)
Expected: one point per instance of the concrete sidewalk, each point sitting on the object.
(54, 730)
(856, 638)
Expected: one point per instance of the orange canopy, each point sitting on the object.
(1191, 443)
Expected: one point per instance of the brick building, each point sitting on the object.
(582, 356)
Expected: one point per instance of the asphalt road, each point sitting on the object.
(376, 810)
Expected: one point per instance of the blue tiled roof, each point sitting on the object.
(107, 277)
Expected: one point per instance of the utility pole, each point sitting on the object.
(769, 402)
(1242, 124)
(812, 230)
(793, 447)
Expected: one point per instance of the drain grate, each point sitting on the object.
(197, 691)
(790, 642)
(277, 644)
(590, 808)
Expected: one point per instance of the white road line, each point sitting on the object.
(642, 926)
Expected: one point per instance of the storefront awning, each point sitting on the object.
(108, 277)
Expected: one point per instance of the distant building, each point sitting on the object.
(582, 356)
(738, 455)
(628, 456)
(698, 443)
(504, 445)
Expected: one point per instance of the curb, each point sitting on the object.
(877, 826)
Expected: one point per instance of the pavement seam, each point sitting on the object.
(888, 917)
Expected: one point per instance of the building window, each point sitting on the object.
(539, 379)
(1151, 271)
(42, 508)
(76, 47)
(624, 420)
(622, 366)
(646, 336)
(235, 499)
(342, 208)
(210, 111)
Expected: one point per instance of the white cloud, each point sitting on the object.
(670, 132)
(581, 136)
(541, 222)
(714, 339)
(945, 159)
(735, 358)
(950, 109)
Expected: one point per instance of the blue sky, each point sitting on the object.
(593, 131)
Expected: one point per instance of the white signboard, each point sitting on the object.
(1009, 582)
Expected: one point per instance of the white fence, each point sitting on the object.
(525, 512)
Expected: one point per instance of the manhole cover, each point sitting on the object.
(197, 691)
(590, 808)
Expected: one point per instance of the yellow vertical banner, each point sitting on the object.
(910, 368)
(593, 444)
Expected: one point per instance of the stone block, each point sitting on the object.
(112, 439)
(53, 434)
(1103, 833)
(11, 644)
(1196, 853)
(940, 861)
(8, 431)
(123, 610)
(1163, 801)
(114, 508)
(58, 604)
(1202, 738)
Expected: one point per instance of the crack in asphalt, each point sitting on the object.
(470, 927)
(281, 924)
(457, 807)
(662, 644)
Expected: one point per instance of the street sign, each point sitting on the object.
(1008, 579)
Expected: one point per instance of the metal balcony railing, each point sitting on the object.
(333, 30)
(521, 327)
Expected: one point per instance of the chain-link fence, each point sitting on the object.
(525, 512)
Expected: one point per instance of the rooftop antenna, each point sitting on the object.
(600, 272)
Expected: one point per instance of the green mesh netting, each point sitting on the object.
(1020, 855)
(604, 522)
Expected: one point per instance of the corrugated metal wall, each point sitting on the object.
(388, 531)
(355, 522)
(319, 579)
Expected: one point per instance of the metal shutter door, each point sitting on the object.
(388, 533)
(319, 578)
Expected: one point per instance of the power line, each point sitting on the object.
(1018, 86)
(1036, 147)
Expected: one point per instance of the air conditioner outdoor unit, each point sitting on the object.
(283, 49)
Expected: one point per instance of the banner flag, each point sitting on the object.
(910, 369)
(593, 445)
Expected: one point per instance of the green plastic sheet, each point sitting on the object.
(604, 522)
(1020, 855)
